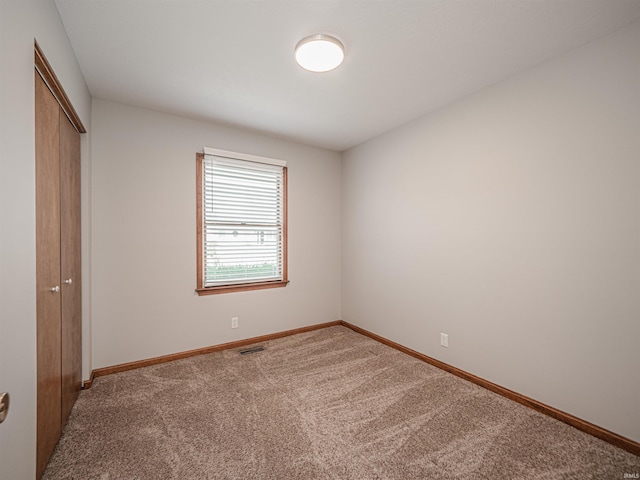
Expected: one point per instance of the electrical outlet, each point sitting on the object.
(234, 322)
(444, 340)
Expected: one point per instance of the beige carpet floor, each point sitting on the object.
(328, 404)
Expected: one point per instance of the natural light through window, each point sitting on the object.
(242, 222)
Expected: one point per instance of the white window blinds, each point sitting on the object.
(243, 221)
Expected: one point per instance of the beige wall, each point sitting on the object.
(510, 220)
(144, 238)
(21, 22)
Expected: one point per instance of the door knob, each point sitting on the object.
(4, 406)
(68, 281)
(55, 289)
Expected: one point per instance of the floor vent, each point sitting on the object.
(259, 348)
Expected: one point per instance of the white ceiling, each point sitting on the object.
(231, 61)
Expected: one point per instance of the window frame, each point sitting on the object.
(236, 287)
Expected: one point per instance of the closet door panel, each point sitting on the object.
(47, 126)
(70, 265)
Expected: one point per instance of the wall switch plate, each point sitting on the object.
(444, 340)
(234, 322)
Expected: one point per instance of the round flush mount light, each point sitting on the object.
(319, 53)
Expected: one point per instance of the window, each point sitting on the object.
(242, 222)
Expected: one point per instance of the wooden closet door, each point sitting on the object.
(47, 128)
(70, 265)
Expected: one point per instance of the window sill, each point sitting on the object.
(241, 288)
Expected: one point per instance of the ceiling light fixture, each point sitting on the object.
(319, 53)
